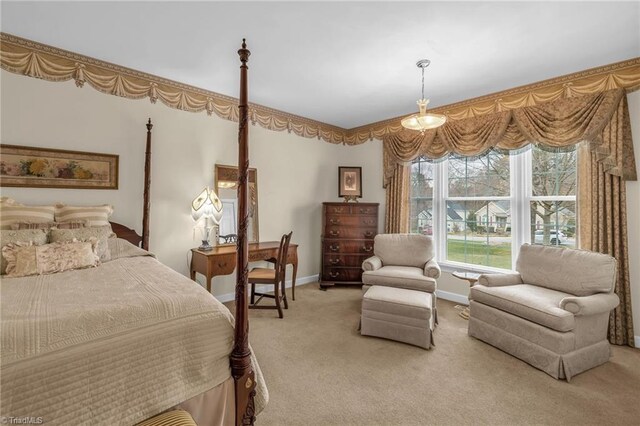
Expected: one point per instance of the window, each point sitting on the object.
(421, 209)
(553, 197)
(478, 210)
(481, 209)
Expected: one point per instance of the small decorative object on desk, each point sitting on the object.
(472, 278)
(350, 183)
(206, 208)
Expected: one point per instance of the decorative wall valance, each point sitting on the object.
(38, 60)
(621, 75)
(26, 57)
(559, 123)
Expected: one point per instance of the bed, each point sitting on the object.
(131, 338)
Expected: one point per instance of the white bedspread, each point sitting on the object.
(112, 345)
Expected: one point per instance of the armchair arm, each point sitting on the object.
(432, 269)
(589, 305)
(499, 280)
(372, 263)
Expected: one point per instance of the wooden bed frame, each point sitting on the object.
(240, 359)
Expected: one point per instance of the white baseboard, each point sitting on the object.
(228, 297)
(454, 297)
(636, 340)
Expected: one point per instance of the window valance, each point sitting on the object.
(601, 119)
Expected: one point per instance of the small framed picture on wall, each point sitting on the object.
(350, 183)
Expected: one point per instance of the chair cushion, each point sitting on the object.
(533, 303)
(262, 273)
(578, 272)
(403, 249)
(401, 277)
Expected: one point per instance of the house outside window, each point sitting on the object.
(479, 210)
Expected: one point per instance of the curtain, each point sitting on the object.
(397, 200)
(606, 160)
(602, 211)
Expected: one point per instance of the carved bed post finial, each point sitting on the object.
(241, 368)
(147, 189)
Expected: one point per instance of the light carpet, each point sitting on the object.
(320, 371)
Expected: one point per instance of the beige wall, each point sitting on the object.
(295, 174)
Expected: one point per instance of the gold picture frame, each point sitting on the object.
(31, 167)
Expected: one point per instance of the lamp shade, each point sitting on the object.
(207, 205)
(423, 120)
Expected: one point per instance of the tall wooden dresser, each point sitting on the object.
(347, 240)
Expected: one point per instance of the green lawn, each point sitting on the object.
(480, 253)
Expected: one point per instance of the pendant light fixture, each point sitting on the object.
(422, 120)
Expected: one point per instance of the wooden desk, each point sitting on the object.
(222, 260)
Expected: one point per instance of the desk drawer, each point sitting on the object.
(334, 246)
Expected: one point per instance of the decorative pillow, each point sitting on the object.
(25, 260)
(100, 233)
(12, 212)
(48, 225)
(26, 236)
(94, 215)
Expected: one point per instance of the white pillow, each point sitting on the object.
(12, 212)
(94, 215)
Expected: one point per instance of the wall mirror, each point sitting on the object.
(226, 184)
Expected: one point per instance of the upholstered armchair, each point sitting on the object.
(553, 313)
(403, 261)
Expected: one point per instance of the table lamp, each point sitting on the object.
(207, 207)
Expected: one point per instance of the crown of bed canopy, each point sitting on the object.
(601, 119)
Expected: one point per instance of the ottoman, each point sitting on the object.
(398, 314)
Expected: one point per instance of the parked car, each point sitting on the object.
(555, 237)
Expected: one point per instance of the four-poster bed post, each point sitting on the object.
(241, 368)
(147, 189)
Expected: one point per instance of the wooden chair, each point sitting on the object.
(275, 277)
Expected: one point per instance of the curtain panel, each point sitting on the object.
(606, 161)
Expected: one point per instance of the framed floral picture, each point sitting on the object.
(31, 167)
(350, 182)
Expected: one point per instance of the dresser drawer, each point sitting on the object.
(337, 220)
(364, 210)
(338, 209)
(334, 231)
(334, 246)
(342, 260)
(341, 274)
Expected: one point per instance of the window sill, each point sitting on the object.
(449, 266)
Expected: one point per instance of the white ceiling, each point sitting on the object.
(344, 63)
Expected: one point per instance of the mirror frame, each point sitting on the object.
(223, 172)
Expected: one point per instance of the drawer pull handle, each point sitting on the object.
(334, 261)
(368, 234)
(337, 209)
(365, 211)
(334, 274)
(369, 222)
(334, 221)
(334, 233)
(367, 249)
(334, 247)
